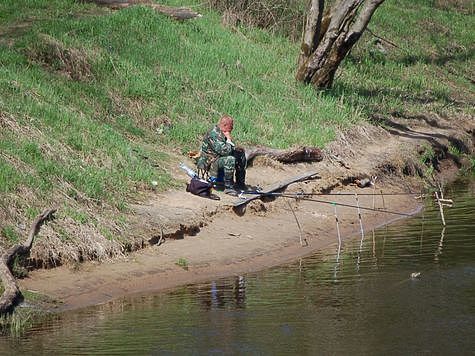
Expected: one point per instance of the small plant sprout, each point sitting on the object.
(183, 263)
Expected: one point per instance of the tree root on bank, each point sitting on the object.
(292, 155)
(299, 154)
(12, 294)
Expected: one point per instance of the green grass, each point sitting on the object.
(182, 262)
(142, 88)
(21, 320)
(9, 233)
(428, 71)
(17, 323)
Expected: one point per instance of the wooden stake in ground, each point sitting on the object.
(373, 181)
(442, 202)
(422, 225)
(361, 226)
(382, 198)
(374, 244)
(338, 233)
(298, 224)
(12, 294)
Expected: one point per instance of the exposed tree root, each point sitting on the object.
(12, 294)
(299, 154)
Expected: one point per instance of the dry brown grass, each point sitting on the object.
(70, 242)
(280, 16)
(65, 241)
(134, 108)
(464, 6)
(72, 62)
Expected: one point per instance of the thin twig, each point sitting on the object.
(298, 224)
(113, 65)
(338, 234)
(374, 188)
(382, 39)
(361, 227)
(161, 235)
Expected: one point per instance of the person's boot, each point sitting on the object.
(229, 184)
(241, 180)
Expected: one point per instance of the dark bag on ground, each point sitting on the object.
(199, 187)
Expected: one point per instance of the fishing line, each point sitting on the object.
(302, 197)
(316, 194)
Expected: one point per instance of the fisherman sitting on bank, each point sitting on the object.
(218, 151)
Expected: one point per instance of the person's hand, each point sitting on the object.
(228, 135)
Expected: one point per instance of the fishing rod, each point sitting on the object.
(302, 197)
(331, 194)
(362, 193)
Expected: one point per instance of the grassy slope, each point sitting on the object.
(429, 71)
(153, 85)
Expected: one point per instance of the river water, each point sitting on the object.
(409, 288)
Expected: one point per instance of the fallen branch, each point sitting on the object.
(12, 294)
(299, 154)
(382, 39)
(178, 13)
(114, 4)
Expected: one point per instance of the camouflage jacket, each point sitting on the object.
(215, 145)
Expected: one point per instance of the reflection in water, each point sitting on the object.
(361, 229)
(223, 293)
(361, 300)
(439, 248)
(338, 233)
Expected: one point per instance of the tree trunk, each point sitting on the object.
(300, 154)
(326, 49)
(11, 294)
(312, 30)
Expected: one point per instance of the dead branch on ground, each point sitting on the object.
(299, 154)
(11, 294)
(178, 13)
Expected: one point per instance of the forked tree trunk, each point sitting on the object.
(11, 293)
(328, 39)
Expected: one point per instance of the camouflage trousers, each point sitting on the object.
(230, 164)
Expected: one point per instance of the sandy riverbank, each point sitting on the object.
(225, 247)
(213, 241)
